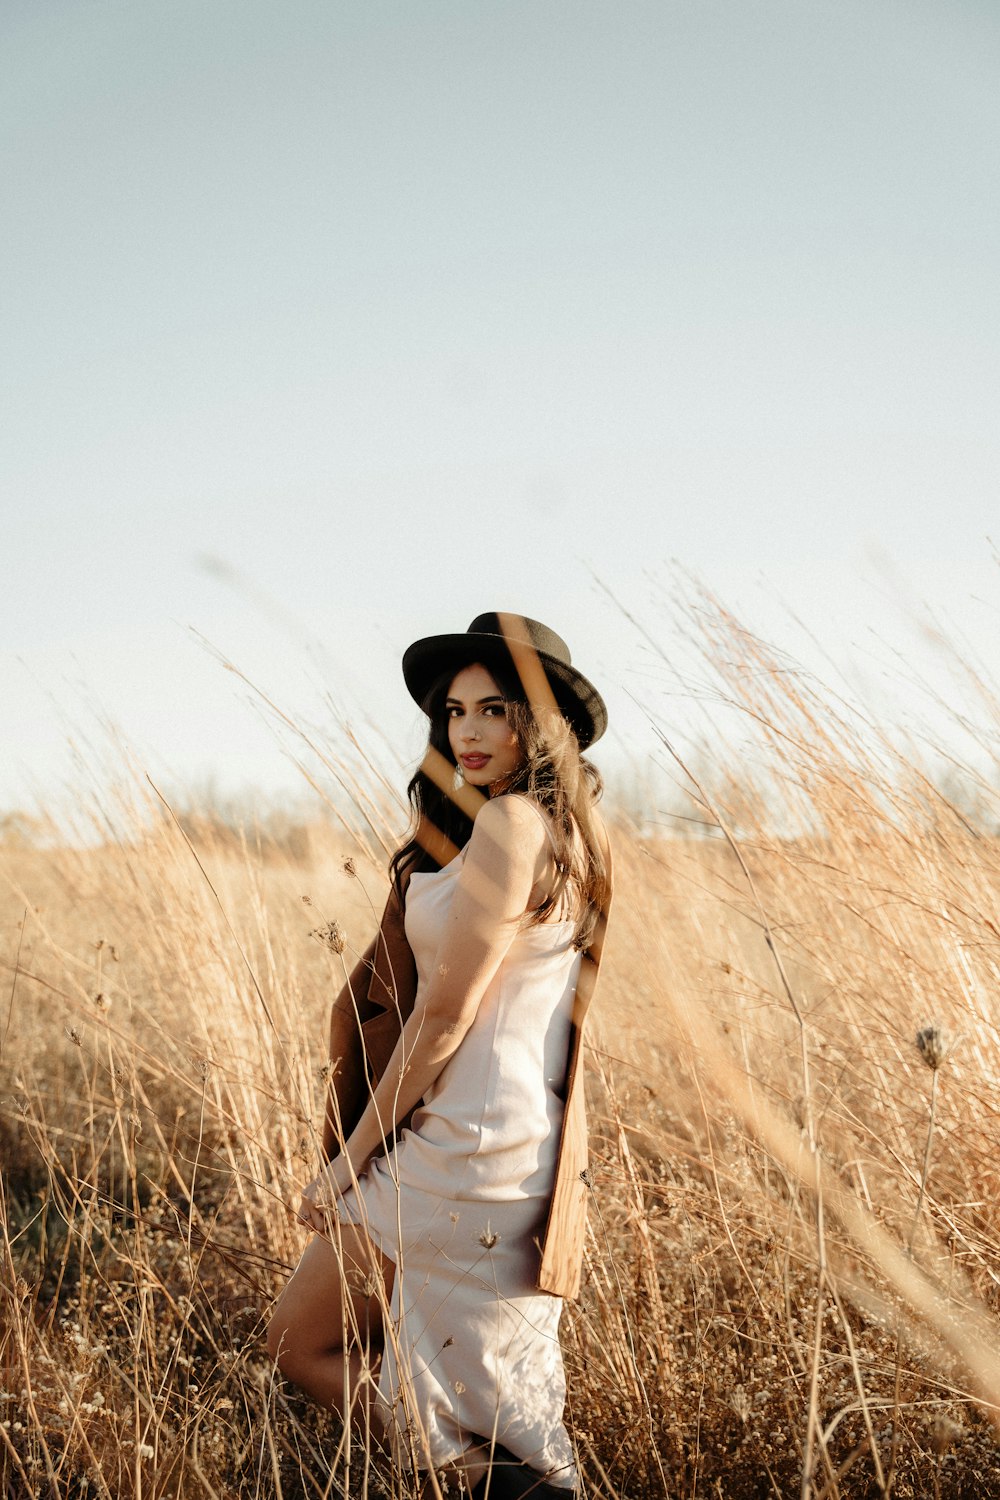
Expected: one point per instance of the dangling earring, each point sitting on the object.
(458, 780)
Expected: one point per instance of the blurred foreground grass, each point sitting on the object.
(793, 1271)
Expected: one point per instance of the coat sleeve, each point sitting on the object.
(565, 1232)
(366, 1019)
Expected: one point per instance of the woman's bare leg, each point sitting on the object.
(326, 1332)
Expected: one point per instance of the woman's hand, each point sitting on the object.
(319, 1197)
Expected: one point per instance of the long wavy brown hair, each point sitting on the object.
(553, 772)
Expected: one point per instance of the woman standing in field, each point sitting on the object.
(457, 1182)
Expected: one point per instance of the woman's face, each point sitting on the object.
(481, 740)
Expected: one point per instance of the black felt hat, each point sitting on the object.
(515, 642)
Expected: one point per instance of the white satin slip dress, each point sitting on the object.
(459, 1206)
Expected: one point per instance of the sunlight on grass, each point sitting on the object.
(792, 1272)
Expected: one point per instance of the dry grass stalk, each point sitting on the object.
(781, 1294)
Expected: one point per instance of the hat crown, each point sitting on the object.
(510, 627)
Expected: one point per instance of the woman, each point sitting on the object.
(472, 1211)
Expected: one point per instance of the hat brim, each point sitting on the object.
(427, 661)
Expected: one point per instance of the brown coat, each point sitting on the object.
(365, 1022)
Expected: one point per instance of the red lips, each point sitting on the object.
(474, 762)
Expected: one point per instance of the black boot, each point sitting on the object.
(510, 1479)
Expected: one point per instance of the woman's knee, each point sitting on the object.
(290, 1336)
(305, 1320)
(279, 1338)
(335, 1297)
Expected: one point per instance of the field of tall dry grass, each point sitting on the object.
(792, 1276)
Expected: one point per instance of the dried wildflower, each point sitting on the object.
(103, 1001)
(75, 1035)
(934, 1046)
(350, 868)
(943, 1433)
(204, 1067)
(306, 900)
(333, 935)
(488, 1237)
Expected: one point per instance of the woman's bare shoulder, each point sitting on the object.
(509, 843)
(510, 819)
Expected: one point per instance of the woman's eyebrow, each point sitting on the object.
(479, 703)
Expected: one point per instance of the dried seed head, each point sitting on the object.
(934, 1045)
(75, 1035)
(103, 1001)
(350, 868)
(489, 1237)
(333, 935)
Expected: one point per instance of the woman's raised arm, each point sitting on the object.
(506, 856)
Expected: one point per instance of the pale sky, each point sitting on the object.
(404, 311)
